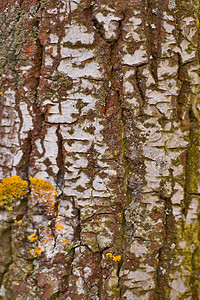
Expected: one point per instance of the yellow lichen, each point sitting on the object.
(115, 258)
(1, 93)
(12, 188)
(39, 184)
(10, 208)
(20, 222)
(35, 252)
(32, 238)
(109, 255)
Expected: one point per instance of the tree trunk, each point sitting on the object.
(100, 118)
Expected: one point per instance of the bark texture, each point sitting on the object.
(100, 98)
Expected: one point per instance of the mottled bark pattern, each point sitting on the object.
(101, 99)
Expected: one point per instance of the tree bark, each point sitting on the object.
(100, 117)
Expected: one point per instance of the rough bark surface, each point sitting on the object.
(101, 99)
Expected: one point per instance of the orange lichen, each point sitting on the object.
(47, 236)
(12, 188)
(59, 228)
(65, 241)
(43, 192)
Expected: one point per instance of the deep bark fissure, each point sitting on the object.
(60, 160)
(154, 16)
(78, 224)
(26, 158)
(115, 72)
(165, 253)
(140, 86)
(40, 54)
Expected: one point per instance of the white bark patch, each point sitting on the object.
(168, 27)
(62, 112)
(192, 215)
(90, 69)
(76, 55)
(78, 33)
(17, 158)
(110, 23)
(172, 4)
(53, 38)
(188, 51)
(27, 123)
(133, 30)
(139, 56)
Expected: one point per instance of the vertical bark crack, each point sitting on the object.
(155, 11)
(165, 253)
(60, 160)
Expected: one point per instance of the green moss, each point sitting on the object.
(196, 259)
(190, 255)
(62, 80)
(70, 142)
(192, 172)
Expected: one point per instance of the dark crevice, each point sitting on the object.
(40, 54)
(27, 145)
(165, 253)
(99, 27)
(140, 85)
(114, 97)
(78, 224)
(61, 123)
(60, 160)
(120, 263)
(24, 164)
(155, 11)
(100, 285)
